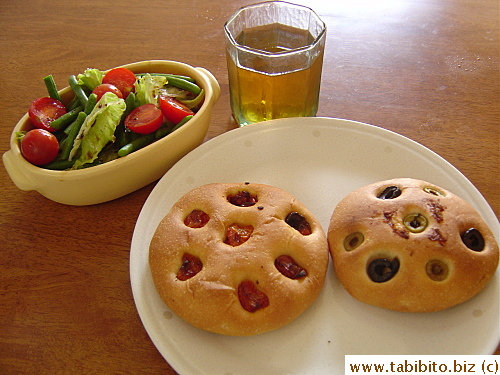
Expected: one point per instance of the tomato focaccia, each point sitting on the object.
(411, 246)
(238, 258)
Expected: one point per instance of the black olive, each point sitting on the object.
(390, 192)
(382, 269)
(299, 222)
(473, 239)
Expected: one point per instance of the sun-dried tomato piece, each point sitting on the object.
(237, 234)
(436, 209)
(436, 235)
(191, 265)
(289, 268)
(400, 230)
(242, 199)
(251, 298)
(299, 222)
(196, 219)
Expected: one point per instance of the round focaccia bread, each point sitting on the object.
(411, 246)
(238, 259)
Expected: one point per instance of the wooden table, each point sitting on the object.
(427, 69)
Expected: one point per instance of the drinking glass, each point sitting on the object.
(274, 56)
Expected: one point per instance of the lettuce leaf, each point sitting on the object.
(91, 78)
(147, 88)
(98, 129)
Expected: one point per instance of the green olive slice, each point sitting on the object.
(437, 270)
(433, 191)
(415, 222)
(353, 241)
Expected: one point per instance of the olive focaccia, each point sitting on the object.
(410, 246)
(238, 258)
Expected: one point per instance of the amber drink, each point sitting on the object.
(274, 58)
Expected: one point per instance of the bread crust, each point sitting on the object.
(380, 221)
(209, 300)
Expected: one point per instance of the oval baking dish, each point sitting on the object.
(124, 175)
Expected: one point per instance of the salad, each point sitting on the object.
(112, 114)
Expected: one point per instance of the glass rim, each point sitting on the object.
(257, 51)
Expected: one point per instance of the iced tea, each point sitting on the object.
(274, 59)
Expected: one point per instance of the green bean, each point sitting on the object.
(186, 78)
(61, 136)
(134, 135)
(181, 82)
(51, 87)
(162, 132)
(68, 128)
(88, 165)
(136, 144)
(91, 102)
(78, 90)
(122, 134)
(182, 122)
(73, 103)
(130, 105)
(59, 165)
(193, 103)
(65, 119)
(184, 84)
(75, 128)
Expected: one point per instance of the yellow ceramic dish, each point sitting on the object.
(122, 176)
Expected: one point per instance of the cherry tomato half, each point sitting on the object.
(123, 78)
(104, 88)
(144, 119)
(43, 111)
(174, 110)
(39, 146)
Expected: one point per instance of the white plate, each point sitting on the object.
(319, 160)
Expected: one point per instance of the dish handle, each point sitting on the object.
(213, 83)
(20, 179)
